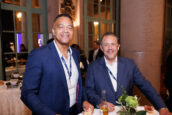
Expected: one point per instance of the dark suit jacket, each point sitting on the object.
(128, 74)
(44, 88)
(99, 54)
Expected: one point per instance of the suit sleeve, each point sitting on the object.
(147, 89)
(31, 83)
(90, 87)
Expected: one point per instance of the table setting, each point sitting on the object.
(116, 111)
(127, 105)
(10, 93)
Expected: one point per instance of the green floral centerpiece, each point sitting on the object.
(129, 105)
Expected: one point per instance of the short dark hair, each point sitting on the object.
(63, 15)
(107, 34)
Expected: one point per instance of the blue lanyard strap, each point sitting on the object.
(111, 73)
(69, 70)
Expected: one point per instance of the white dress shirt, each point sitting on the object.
(73, 80)
(113, 68)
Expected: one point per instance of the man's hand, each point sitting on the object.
(108, 105)
(111, 107)
(164, 111)
(87, 106)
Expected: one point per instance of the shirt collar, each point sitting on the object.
(96, 50)
(114, 62)
(58, 51)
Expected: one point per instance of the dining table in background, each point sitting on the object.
(11, 69)
(10, 103)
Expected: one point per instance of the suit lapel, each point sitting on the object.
(120, 77)
(120, 70)
(58, 63)
(106, 75)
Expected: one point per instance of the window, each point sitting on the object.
(23, 29)
(16, 2)
(99, 17)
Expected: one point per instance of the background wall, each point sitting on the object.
(52, 12)
(141, 35)
(53, 9)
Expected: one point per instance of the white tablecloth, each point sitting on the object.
(10, 103)
(12, 69)
(117, 108)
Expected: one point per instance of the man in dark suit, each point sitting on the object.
(52, 79)
(111, 72)
(96, 52)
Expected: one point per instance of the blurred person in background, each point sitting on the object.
(8, 59)
(96, 52)
(23, 54)
(83, 63)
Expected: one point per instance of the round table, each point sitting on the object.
(117, 108)
(10, 103)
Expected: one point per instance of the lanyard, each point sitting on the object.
(111, 74)
(69, 70)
